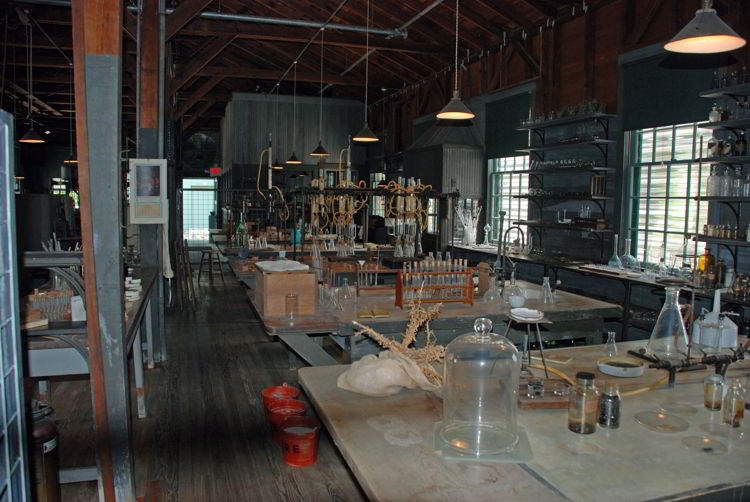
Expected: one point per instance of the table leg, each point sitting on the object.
(140, 390)
(541, 349)
(149, 337)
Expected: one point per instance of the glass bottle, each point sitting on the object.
(669, 339)
(714, 115)
(706, 260)
(711, 182)
(547, 297)
(583, 404)
(615, 260)
(610, 348)
(480, 392)
(713, 390)
(627, 259)
(734, 403)
(740, 146)
(609, 407)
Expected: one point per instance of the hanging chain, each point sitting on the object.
(456, 51)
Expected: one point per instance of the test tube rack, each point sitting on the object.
(435, 287)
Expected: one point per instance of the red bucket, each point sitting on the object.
(281, 409)
(299, 440)
(283, 391)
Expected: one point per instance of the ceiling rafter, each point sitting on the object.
(196, 96)
(185, 12)
(188, 71)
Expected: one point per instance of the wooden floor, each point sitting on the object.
(206, 438)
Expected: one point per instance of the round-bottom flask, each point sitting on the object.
(480, 392)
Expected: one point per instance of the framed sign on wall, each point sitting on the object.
(148, 191)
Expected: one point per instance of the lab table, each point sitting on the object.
(388, 443)
(572, 317)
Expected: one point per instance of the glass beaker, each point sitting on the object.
(669, 339)
(480, 392)
(291, 306)
(615, 260)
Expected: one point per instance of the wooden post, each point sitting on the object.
(97, 52)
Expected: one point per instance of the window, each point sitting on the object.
(198, 202)
(664, 178)
(377, 207)
(505, 182)
(432, 216)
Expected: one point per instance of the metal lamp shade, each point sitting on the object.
(319, 151)
(365, 135)
(293, 160)
(31, 136)
(277, 165)
(455, 109)
(705, 34)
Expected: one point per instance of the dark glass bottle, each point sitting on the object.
(609, 407)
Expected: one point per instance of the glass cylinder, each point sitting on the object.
(615, 260)
(713, 391)
(583, 405)
(291, 305)
(480, 392)
(669, 339)
(627, 259)
(734, 404)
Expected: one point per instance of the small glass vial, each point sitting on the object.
(609, 407)
(610, 348)
(713, 391)
(734, 404)
(583, 405)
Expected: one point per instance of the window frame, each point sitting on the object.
(520, 163)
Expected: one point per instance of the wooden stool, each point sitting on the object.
(213, 257)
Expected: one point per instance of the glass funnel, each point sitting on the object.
(669, 339)
(480, 393)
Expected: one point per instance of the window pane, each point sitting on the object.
(504, 183)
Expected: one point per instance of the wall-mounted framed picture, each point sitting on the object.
(148, 191)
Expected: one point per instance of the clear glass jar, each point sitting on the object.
(713, 391)
(583, 405)
(734, 403)
(669, 339)
(480, 392)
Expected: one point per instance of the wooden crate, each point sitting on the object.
(271, 289)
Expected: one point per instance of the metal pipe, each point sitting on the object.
(247, 18)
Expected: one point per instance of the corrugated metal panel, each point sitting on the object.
(443, 132)
(463, 170)
(254, 116)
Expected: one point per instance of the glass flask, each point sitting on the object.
(480, 392)
(615, 260)
(610, 348)
(547, 297)
(494, 294)
(583, 405)
(734, 404)
(513, 293)
(627, 259)
(669, 339)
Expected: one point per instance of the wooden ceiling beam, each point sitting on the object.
(198, 114)
(508, 14)
(34, 99)
(528, 58)
(196, 96)
(265, 74)
(542, 7)
(183, 14)
(475, 18)
(291, 34)
(188, 71)
(644, 24)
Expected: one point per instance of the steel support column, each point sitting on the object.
(149, 122)
(97, 43)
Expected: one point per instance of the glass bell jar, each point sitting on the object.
(669, 339)
(480, 393)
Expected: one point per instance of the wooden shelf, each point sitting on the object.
(567, 144)
(563, 197)
(566, 170)
(731, 91)
(720, 240)
(728, 159)
(726, 124)
(562, 226)
(566, 121)
(58, 328)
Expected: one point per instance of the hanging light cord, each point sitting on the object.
(320, 118)
(367, 55)
(294, 110)
(29, 82)
(456, 51)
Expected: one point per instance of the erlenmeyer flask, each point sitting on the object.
(615, 260)
(669, 339)
(627, 259)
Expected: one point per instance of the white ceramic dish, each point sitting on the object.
(624, 367)
(526, 314)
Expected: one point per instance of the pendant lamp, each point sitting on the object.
(320, 150)
(456, 109)
(705, 34)
(365, 135)
(31, 135)
(293, 159)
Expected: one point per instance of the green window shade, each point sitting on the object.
(663, 90)
(503, 116)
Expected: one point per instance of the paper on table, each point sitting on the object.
(281, 266)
